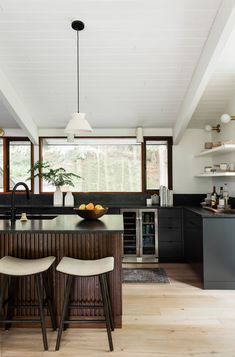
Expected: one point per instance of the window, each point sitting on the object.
(1, 166)
(19, 159)
(105, 165)
(158, 164)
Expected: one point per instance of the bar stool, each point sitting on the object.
(87, 268)
(12, 268)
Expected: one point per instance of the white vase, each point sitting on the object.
(58, 197)
(69, 199)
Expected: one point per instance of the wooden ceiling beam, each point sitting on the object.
(19, 112)
(220, 31)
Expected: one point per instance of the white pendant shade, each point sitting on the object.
(77, 124)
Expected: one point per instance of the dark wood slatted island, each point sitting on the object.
(67, 235)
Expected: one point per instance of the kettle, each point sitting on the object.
(155, 199)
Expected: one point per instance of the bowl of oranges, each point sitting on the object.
(90, 211)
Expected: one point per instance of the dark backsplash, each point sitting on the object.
(101, 198)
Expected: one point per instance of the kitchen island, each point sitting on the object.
(71, 236)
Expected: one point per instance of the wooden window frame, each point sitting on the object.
(169, 141)
(144, 190)
(6, 161)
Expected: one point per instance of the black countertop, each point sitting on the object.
(51, 207)
(65, 223)
(204, 213)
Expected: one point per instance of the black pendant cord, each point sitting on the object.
(78, 67)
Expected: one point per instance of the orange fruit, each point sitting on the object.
(90, 206)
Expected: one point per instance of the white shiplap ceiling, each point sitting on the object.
(220, 89)
(137, 58)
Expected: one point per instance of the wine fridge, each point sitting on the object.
(140, 238)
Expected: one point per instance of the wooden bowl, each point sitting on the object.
(90, 214)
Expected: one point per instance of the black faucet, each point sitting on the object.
(13, 209)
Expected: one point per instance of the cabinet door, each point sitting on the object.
(170, 235)
(170, 217)
(170, 250)
(193, 240)
(148, 233)
(130, 235)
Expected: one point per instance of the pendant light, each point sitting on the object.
(77, 123)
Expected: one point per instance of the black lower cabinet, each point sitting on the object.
(170, 239)
(193, 241)
(210, 248)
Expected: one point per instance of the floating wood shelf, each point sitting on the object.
(219, 150)
(217, 174)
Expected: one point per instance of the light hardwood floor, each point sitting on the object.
(160, 320)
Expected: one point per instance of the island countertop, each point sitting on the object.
(68, 236)
(65, 223)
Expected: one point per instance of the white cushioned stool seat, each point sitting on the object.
(79, 267)
(20, 267)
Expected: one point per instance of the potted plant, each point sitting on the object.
(57, 177)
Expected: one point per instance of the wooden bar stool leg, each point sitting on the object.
(64, 310)
(3, 291)
(10, 300)
(109, 302)
(41, 311)
(49, 299)
(67, 311)
(106, 310)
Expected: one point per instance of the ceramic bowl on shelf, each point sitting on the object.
(208, 145)
(91, 214)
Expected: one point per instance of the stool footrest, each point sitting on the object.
(82, 321)
(85, 306)
(17, 321)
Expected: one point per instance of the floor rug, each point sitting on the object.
(144, 275)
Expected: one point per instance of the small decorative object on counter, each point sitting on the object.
(149, 201)
(207, 200)
(166, 196)
(90, 211)
(163, 196)
(214, 198)
(221, 203)
(155, 199)
(58, 177)
(23, 217)
(170, 198)
(69, 199)
(58, 197)
(226, 196)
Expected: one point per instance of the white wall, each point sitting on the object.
(185, 165)
(227, 134)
